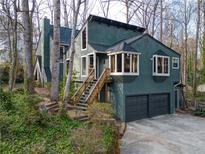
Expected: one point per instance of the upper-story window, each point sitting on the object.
(124, 63)
(161, 65)
(175, 63)
(84, 39)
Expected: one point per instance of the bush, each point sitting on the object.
(6, 102)
(4, 73)
(200, 113)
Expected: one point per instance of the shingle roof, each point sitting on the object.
(115, 23)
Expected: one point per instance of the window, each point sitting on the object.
(62, 51)
(113, 63)
(119, 62)
(124, 64)
(127, 63)
(84, 66)
(160, 65)
(175, 63)
(84, 39)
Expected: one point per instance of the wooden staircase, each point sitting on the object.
(89, 90)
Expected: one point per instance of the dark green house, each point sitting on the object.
(130, 69)
(43, 64)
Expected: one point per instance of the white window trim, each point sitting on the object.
(81, 44)
(175, 58)
(123, 61)
(86, 71)
(156, 69)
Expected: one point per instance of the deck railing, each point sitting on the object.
(81, 90)
(98, 86)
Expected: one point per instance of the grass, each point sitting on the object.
(23, 129)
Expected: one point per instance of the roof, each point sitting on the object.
(99, 47)
(65, 34)
(115, 23)
(125, 45)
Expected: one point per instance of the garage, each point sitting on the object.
(144, 106)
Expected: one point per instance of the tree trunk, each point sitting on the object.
(154, 16)
(66, 24)
(72, 49)
(161, 20)
(185, 47)
(54, 93)
(196, 49)
(28, 43)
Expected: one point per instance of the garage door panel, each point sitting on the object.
(136, 107)
(158, 104)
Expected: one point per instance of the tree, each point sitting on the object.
(196, 49)
(65, 13)
(54, 93)
(75, 10)
(28, 44)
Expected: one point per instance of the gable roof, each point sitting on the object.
(120, 46)
(115, 23)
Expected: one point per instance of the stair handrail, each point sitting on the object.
(79, 92)
(103, 77)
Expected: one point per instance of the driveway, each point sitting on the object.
(168, 134)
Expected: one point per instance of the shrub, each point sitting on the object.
(6, 102)
(200, 113)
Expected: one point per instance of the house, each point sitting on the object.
(42, 70)
(4, 46)
(120, 64)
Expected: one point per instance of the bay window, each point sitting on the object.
(124, 63)
(160, 65)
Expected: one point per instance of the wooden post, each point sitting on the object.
(106, 92)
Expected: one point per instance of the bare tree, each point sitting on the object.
(75, 10)
(54, 93)
(161, 19)
(65, 13)
(105, 7)
(50, 7)
(11, 26)
(154, 16)
(196, 49)
(27, 15)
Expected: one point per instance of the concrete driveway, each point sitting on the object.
(168, 134)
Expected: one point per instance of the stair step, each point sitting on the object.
(82, 104)
(52, 107)
(78, 107)
(54, 110)
(84, 119)
(50, 104)
(82, 101)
